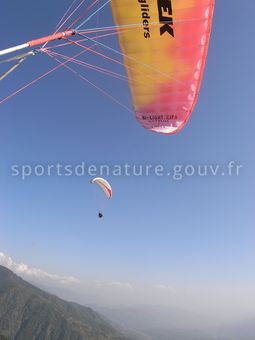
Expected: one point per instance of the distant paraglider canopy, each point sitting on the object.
(104, 185)
(163, 47)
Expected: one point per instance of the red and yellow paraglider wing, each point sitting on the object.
(164, 52)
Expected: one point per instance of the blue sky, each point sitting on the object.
(194, 232)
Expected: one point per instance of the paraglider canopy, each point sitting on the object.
(104, 185)
(163, 46)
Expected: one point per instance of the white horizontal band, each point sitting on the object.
(14, 49)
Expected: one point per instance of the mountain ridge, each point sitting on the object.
(27, 312)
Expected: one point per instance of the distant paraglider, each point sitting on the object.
(106, 188)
